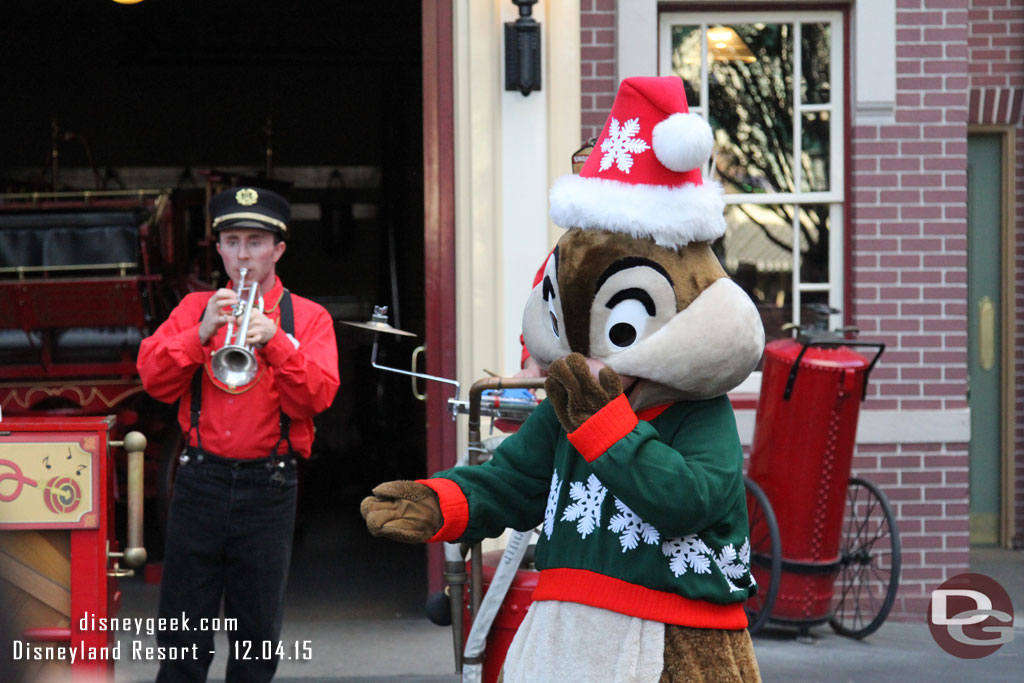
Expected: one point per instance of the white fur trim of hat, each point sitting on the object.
(672, 216)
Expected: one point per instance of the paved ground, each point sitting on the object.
(359, 609)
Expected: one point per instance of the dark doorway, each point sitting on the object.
(325, 98)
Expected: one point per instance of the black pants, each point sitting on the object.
(229, 535)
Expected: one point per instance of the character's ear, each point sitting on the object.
(543, 319)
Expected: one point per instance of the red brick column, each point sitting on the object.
(597, 64)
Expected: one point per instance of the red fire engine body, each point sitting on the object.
(84, 276)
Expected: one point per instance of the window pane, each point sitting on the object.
(757, 250)
(814, 157)
(815, 48)
(814, 233)
(686, 60)
(757, 253)
(750, 93)
(814, 312)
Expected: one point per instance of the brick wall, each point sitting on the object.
(996, 68)
(926, 485)
(597, 64)
(909, 280)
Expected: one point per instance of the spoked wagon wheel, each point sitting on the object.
(765, 556)
(870, 559)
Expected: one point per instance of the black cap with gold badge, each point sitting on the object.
(250, 207)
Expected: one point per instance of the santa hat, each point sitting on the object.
(643, 177)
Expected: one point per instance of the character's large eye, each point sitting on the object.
(631, 310)
(549, 297)
(554, 318)
(633, 300)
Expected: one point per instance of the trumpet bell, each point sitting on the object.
(235, 366)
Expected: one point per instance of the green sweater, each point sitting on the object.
(644, 515)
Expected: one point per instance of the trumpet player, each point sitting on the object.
(232, 515)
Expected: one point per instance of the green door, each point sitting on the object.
(984, 225)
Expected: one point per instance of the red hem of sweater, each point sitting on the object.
(454, 508)
(597, 590)
(604, 428)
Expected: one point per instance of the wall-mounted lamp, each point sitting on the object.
(522, 50)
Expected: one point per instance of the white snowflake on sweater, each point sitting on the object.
(586, 511)
(631, 528)
(621, 144)
(688, 552)
(734, 565)
(549, 511)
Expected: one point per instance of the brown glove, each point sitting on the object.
(575, 394)
(404, 511)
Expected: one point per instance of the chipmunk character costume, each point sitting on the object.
(632, 467)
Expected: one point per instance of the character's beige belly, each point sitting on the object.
(564, 641)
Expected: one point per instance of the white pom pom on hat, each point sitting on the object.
(682, 141)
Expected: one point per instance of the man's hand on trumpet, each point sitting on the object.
(218, 313)
(261, 329)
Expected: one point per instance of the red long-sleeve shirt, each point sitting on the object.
(244, 422)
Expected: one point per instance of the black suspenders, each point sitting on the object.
(288, 325)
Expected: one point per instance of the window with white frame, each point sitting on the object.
(771, 86)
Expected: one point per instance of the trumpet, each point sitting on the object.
(235, 363)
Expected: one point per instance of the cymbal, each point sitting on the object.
(378, 326)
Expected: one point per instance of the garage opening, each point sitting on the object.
(321, 100)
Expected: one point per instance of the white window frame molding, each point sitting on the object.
(890, 426)
(873, 38)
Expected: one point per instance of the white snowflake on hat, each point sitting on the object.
(663, 195)
(620, 145)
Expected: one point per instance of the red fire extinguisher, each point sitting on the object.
(805, 427)
(506, 622)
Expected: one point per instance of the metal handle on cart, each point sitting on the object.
(415, 357)
(475, 446)
(134, 555)
(833, 343)
(455, 571)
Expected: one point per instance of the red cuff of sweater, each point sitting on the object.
(454, 508)
(604, 428)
